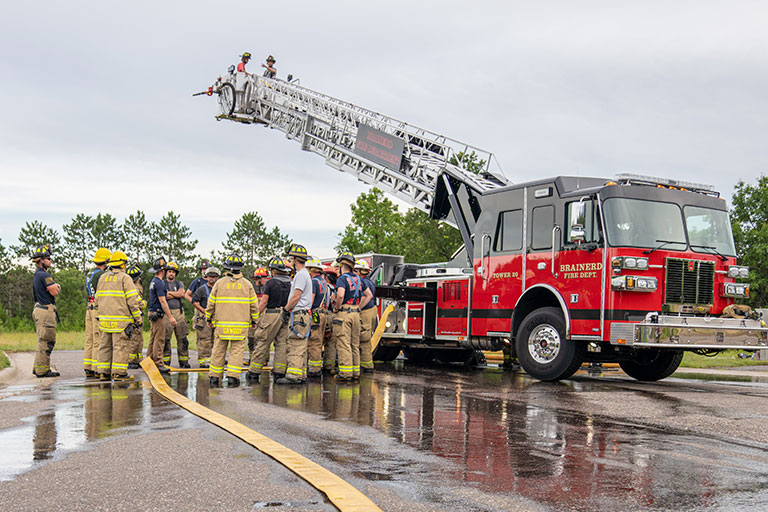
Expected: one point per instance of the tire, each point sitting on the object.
(419, 355)
(386, 354)
(542, 349)
(652, 364)
(227, 99)
(247, 90)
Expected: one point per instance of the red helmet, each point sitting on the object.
(329, 269)
(260, 272)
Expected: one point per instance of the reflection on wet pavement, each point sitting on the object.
(490, 424)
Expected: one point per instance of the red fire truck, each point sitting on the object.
(560, 271)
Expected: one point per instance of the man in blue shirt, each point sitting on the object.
(45, 290)
(350, 295)
(321, 294)
(369, 317)
(158, 308)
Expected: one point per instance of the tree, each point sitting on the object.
(35, 234)
(749, 221)
(468, 161)
(137, 237)
(78, 241)
(5, 259)
(173, 239)
(253, 242)
(106, 232)
(425, 240)
(375, 226)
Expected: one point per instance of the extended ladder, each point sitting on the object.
(330, 127)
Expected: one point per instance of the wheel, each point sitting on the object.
(652, 364)
(542, 349)
(386, 354)
(227, 99)
(419, 355)
(247, 98)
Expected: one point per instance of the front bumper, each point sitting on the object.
(660, 331)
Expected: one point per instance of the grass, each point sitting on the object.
(65, 340)
(725, 359)
(4, 362)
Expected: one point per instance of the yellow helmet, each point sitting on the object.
(102, 256)
(118, 259)
(172, 266)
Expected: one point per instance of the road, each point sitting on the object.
(409, 437)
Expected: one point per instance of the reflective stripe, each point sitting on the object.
(114, 317)
(233, 300)
(295, 371)
(231, 324)
(110, 293)
(131, 293)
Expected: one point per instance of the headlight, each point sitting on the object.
(733, 271)
(629, 262)
(642, 263)
(735, 290)
(738, 271)
(744, 272)
(634, 284)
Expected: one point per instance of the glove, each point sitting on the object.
(285, 317)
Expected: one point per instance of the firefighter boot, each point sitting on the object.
(121, 378)
(252, 377)
(233, 382)
(105, 377)
(214, 382)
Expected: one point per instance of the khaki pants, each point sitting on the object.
(219, 355)
(315, 344)
(157, 341)
(136, 345)
(45, 325)
(181, 331)
(269, 330)
(204, 344)
(113, 353)
(369, 320)
(92, 337)
(296, 345)
(347, 325)
(329, 345)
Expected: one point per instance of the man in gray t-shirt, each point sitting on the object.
(181, 329)
(297, 308)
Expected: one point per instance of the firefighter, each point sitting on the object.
(346, 324)
(92, 333)
(232, 308)
(329, 341)
(297, 317)
(260, 276)
(44, 290)
(175, 291)
(119, 314)
(158, 308)
(320, 302)
(204, 331)
(198, 281)
(369, 316)
(137, 338)
(269, 328)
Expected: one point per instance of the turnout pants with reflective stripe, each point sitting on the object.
(219, 355)
(297, 346)
(315, 345)
(136, 345)
(113, 353)
(329, 345)
(369, 320)
(270, 329)
(45, 325)
(182, 343)
(348, 342)
(92, 339)
(156, 342)
(204, 344)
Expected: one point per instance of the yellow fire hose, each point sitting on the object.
(382, 325)
(339, 492)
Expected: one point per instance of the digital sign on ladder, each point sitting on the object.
(379, 147)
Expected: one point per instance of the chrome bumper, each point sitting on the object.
(691, 332)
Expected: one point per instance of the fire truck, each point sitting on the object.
(558, 271)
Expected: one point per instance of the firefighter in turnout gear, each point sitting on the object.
(119, 314)
(232, 308)
(137, 338)
(329, 342)
(260, 276)
(296, 315)
(270, 329)
(45, 290)
(92, 333)
(369, 316)
(175, 294)
(204, 330)
(320, 303)
(346, 324)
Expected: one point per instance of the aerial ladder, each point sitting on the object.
(422, 168)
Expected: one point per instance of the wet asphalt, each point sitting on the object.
(410, 437)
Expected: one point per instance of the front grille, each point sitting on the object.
(689, 282)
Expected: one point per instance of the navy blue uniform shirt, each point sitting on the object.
(156, 289)
(353, 288)
(40, 284)
(369, 286)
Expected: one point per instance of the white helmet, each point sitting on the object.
(362, 265)
(314, 263)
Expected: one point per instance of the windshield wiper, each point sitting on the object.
(713, 249)
(663, 243)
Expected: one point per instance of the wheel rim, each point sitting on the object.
(225, 100)
(544, 343)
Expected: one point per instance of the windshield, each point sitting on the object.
(709, 230)
(638, 223)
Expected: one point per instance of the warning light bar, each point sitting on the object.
(638, 179)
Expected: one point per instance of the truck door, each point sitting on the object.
(543, 238)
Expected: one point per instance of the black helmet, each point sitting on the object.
(157, 265)
(44, 251)
(298, 251)
(246, 55)
(271, 59)
(134, 272)
(348, 257)
(233, 262)
(204, 264)
(278, 264)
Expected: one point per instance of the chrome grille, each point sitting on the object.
(689, 282)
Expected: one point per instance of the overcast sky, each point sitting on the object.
(96, 99)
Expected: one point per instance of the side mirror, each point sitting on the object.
(577, 234)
